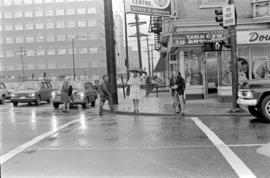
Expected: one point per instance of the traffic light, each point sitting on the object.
(219, 17)
(212, 46)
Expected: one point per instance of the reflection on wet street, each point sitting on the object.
(83, 144)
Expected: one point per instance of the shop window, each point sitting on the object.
(193, 63)
(261, 8)
(260, 67)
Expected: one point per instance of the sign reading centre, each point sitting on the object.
(150, 7)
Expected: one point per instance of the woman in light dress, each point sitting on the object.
(136, 94)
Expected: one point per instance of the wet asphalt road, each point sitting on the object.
(125, 146)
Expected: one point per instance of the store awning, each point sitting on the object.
(161, 65)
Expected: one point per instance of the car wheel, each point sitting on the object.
(265, 108)
(84, 106)
(2, 101)
(253, 110)
(37, 101)
(49, 101)
(55, 105)
(15, 104)
(93, 104)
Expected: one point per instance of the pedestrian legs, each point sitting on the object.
(101, 103)
(181, 102)
(110, 102)
(176, 102)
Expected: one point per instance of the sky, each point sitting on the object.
(118, 8)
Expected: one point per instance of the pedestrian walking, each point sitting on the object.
(65, 95)
(178, 85)
(70, 90)
(135, 82)
(105, 94)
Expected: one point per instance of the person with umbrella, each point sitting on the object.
(135, 82)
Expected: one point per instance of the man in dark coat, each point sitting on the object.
(105, 94)
(178, 85)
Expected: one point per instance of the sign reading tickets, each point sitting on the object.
(149, 7)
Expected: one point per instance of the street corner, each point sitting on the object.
(264, 150)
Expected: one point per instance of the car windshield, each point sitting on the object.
(2, 86)
(29, 86)
(77, 85)
(12, 85)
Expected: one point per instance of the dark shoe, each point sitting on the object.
(176, 113)
(182, 113)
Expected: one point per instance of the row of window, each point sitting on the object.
(49, 25)
(31, 66)
(261, 9)
(49, 52)
(28, 2)
(48, 12)
(47, 38)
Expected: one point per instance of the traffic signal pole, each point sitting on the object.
(235, 83)
(110, 49)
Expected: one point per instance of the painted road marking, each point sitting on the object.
(235, 162)
(4, 158)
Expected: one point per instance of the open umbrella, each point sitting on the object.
(136, 70)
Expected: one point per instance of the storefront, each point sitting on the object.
(205, 71)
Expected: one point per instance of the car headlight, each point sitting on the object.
(53, 94)
(81, 94)
(247, 94)
(32, 95)
(13, 95)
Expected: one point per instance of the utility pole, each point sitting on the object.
(22, 53)
(138, 40)
(152, 59)
(126, 40)
(110, 49)
(232, 32)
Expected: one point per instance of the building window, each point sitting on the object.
(18, 27)
(17, 2)
(59, 12)
(41, 66)
(81, 11)
(93, 50)
(19, 39)
(10, 54)
(82, 50)
(1, 55)
(91, 10)
(92, 23)
(61, 51)
(81, 23)
(92, 36)
(7, 2)
(39, 13)
(40, 52)
(1, 40)
(29, 26)
(40, 38)
(7, 15)
(49, 12)
(18, 14)
(29, 39)
(8, 40)
(31, 66)
(60, 24)
(48, 1)
(70, 37)
(71, 24)
(70, 11)
(50, 38)
(51, 52)
(70, 0)
(61, 37)
(30, 52)
(59, 1)
(39, 25)
(38, 1)
(261, 9)
(213, 3)
(28, 2)
(28, 14)
(8, 27)
(50, 25)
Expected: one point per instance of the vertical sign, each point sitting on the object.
(228, 16)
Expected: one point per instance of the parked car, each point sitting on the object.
(3, 93)
(12, 87)
(257, 98)
(83, 93)
(32, 91)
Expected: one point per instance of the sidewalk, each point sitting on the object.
(163, 106)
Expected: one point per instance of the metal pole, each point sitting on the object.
(110, 49)
(138, 40)
(73, 58)
(152, 59)
(21, 51)
(126, 39)
(148, 52)
(232, 32)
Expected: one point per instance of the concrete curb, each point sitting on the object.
(164, 114)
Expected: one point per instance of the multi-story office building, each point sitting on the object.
(40, 36)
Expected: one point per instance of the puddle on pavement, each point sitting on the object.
(264, 150)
